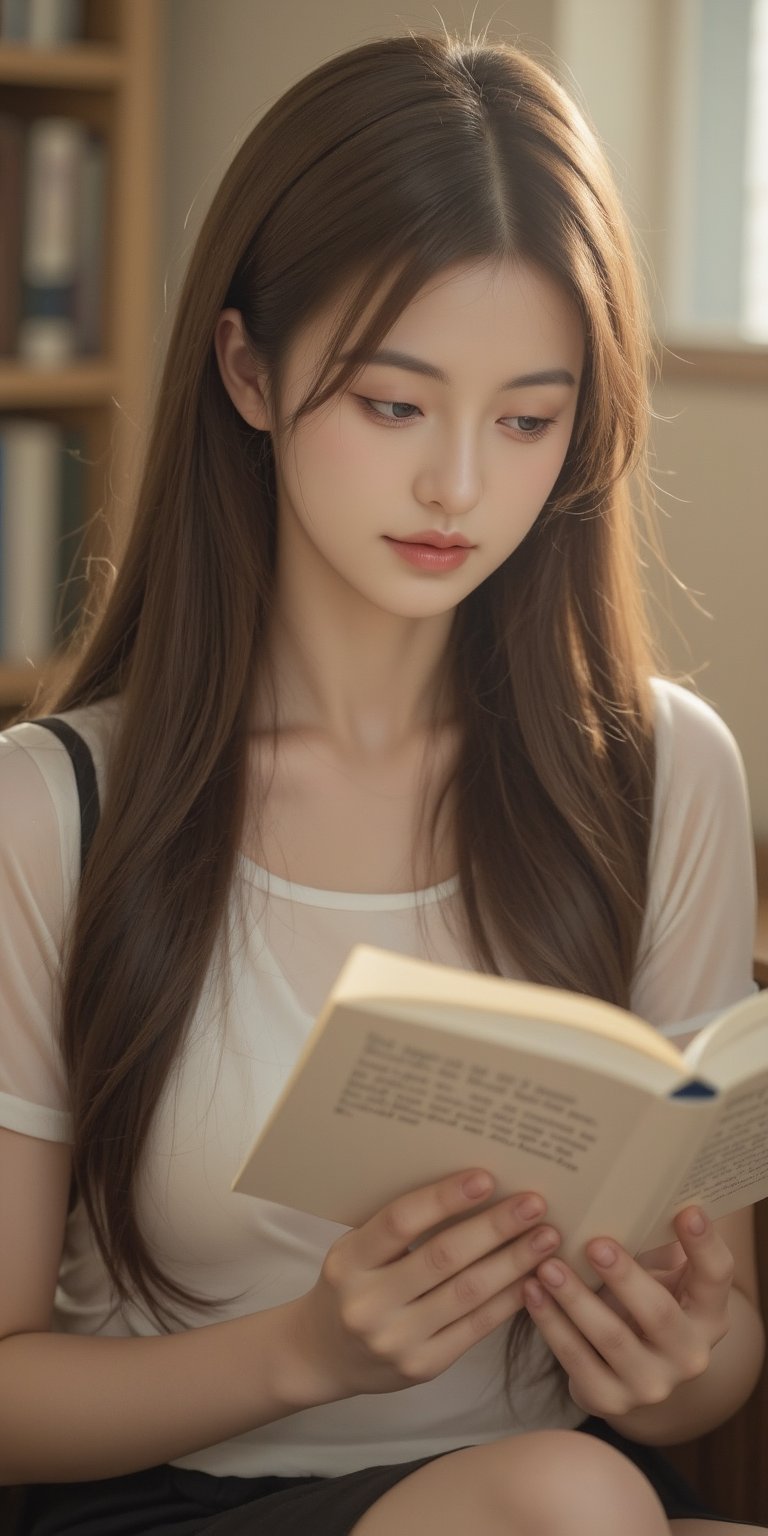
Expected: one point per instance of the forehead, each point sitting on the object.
(484, 315)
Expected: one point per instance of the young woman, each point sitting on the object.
(411, 322)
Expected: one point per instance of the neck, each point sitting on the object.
(366, 681)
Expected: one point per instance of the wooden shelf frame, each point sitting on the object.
(86, 382)
(79, 66)
(18, 681)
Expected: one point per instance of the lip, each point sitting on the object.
(437, 540)
(428, 557)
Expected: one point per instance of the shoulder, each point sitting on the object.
(39, 805)
(697, 756)
(695, 952)
(686, 724)
(33, 742)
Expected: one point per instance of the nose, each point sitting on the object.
(450, 474)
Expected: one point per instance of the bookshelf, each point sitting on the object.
(110, 81)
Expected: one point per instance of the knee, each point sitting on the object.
(556, 1482)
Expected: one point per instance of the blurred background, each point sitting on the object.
(117, 121)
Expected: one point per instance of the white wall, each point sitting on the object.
(227, 60)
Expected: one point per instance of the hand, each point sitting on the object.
(384, 1314)
(651, 1327)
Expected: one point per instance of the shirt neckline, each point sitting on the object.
(313, 896)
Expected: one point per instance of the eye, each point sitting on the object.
(530, 426)
(371, 406)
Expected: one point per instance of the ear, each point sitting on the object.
(241, 375)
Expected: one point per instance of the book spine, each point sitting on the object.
(52, 23)
(11, 203)
(89, 288)
(50, 242)
(31, 465)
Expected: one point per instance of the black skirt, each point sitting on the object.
(174, 1501)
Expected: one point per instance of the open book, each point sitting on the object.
(415, 1070)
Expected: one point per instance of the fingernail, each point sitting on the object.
(603, 1253)
(695, 1223)
(533, 1293)
(477, 1184)
(530, 1206)
(552, 1272)
(546, 1238)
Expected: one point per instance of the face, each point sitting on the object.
(473, 453)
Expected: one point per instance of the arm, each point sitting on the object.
(77, 1408)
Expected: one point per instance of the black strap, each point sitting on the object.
(85, 778)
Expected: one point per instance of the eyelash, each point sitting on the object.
(367, 405)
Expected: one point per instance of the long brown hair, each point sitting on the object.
(381, 168)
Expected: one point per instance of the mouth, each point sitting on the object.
(430, 557)
(422, 541)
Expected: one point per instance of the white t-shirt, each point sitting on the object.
(287, 944)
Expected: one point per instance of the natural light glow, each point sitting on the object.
(755, 275)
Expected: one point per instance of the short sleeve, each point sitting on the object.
(696, 952)
(39, 825)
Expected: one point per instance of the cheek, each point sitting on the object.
(534, 475)
(551, 462)
(330, 479)
(364, 455)
(335, 460)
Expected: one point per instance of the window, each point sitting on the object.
(716, 283)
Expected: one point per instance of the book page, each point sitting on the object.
(731, 1170)
(413, 1085)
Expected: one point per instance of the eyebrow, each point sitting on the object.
(430, 371)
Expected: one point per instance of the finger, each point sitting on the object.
(610, 1336)
(594, 1384)
(449, 1260)
(475, 1285)
(670, 1278)
(711, 1264)
(390, 1233)
(446, 1346)
(674, 1334)
(646, 1300)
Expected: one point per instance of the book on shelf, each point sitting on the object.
(42, 497)
(41, 23)
(89, 265)
(11, 203)
(415, 1069)
(53, 191)
(50, 240)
